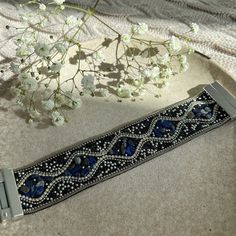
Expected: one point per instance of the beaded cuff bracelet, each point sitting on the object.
(58, 177)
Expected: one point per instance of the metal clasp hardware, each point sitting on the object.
(222, 97)
(10, 205)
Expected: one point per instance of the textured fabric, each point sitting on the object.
(216, 18)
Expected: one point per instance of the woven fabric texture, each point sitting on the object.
(217, 20)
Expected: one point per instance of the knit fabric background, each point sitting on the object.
(217, 20)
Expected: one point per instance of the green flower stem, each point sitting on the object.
(91, 12)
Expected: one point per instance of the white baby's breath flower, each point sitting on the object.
(99, 56)
(26, 39)
(88, 83)
(79, 22)
(30, 121)
(48, 104)
(182, 59)
(33, 113)
(191, 50)
(146, 73)
(25, 16)
(184, 66)
(56, 66)
(134, 29)
(183, 63)
(166, 73)
(75, 103)
(57, 118)
(23, 51)
(165, 83)
(59, 100)
(139, 29)
(104, 92)
(73, 21)
(155, 72)
(125, 38)
(28, 83)
(124, 91)
(156, 75)
(59, 2)
(72, 101)
(194, 28)
(42, 7)
(24, 76)
(164, 59)
(151, 72)
(138, 81)
(42, 49)
(19, 102)
(61, 48)
(174, 44)
(15, 68)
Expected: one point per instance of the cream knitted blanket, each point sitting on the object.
(217, 20)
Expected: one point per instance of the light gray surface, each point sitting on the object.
(186, 192)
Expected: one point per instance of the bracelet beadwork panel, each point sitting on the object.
(86, 164)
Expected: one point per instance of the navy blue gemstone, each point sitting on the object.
(34, 186)
(84, 172)
(92, 161)
(130, 148)
(167, 124)
(73, 171)
(162, 126)
(158, 132)
(114, 151)
(124, 147)
(202, 111)
(77, 170)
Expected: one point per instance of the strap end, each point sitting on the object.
(10, 205)
(222, 96)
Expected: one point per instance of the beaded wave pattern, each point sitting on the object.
(62, 175)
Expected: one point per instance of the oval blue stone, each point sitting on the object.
(130, 148)
(35, 185)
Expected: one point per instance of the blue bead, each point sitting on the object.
(129, 151)
(202, 111)
(130, 148)
(74, 171)
(124, 147)
(162, 126)
(39, 188)
(114, 151)
(35, 186)
(84, 172)
(92, 160)
(167, 124)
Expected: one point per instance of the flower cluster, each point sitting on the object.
(36, 68)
